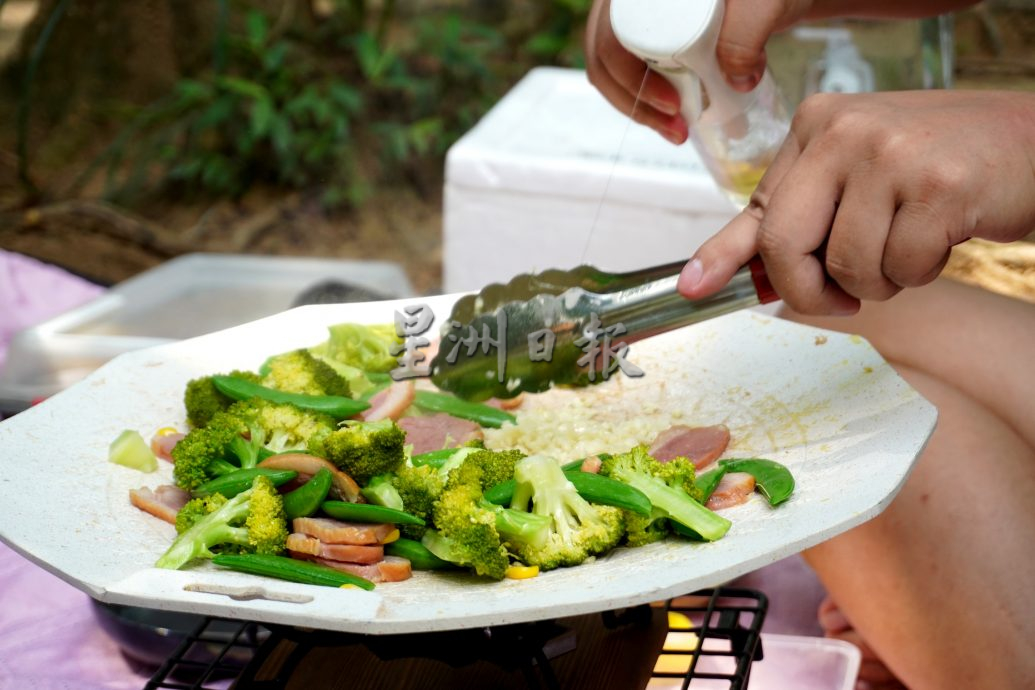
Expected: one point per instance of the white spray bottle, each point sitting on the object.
(736, 134)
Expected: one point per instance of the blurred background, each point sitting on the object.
(131, 133)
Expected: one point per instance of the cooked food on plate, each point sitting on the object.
(320, 468)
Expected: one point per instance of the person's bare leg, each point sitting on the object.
(979, 342)
(940, 585)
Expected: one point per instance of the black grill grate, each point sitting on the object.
(726, 621)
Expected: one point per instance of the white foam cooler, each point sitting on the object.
(553, 176)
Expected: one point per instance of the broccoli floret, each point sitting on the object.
(578, 528)
(248, 451)
(197, 508)
(203, 400)
(253, 521)
(466, 532)
(420, 486)
(486, 468)
(285, 426)
(667, 489)
(640, 530)
(194, 454)
(367, 348)
(366, 449)
(299, 372)
(380, 491)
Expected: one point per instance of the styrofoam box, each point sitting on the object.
(554, 176)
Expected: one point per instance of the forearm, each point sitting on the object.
(887, 9)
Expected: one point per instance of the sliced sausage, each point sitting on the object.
(438, 431)
(350, 553)
(734, 488)
(703, 445)
(337, 532)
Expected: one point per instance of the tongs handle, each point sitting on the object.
(656, 307)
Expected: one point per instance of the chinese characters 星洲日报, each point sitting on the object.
(602, 355)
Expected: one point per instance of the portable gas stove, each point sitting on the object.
(711, 636)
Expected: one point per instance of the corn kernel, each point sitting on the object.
(166, 430)
(522, 572)
(392, 536)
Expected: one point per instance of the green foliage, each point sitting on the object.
(338, 106)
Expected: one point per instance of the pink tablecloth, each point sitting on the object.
(32, 292)
(49, 639)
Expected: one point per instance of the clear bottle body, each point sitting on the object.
(738, 146)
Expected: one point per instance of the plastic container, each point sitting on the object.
(790, 662)
(188, 296)
(554, 176)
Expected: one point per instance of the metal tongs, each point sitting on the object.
(572, 328)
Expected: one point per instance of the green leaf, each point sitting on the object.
(262, 115)
(242, 87)
(257, 28)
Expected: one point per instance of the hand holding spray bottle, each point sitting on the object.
(736, 134)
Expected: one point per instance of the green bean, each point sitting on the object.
(435, 458)
(237, 481)
(483, 415)
(592, 487)
(306, 499)
(336, 406)
(417, 554)
(291, 569)
(366, 512)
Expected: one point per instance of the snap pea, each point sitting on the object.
(336, 406)
(237, 481)
(502, 492)
(773, 480)
(708, 481)
(290, 569)
(597, 489)
(483, 415)
(219, 467)
(365, 512)
(417, 554)
(306, 499)
(592, 487)
(435, 458)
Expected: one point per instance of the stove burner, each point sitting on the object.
(727, 622)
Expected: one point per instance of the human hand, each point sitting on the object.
(869, 193)
(618, 74)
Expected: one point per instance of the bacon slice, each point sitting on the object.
(391, 569)
(337, 532)
(162, 445)
(163, 503)
(734, 488)
(390, 403)
(311, 546)
(703, 445)
(438, 431)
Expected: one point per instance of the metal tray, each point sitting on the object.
(188, 296)
(823, 403)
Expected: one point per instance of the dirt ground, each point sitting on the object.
(400, 222)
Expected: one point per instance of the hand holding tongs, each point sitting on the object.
(541, 329)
